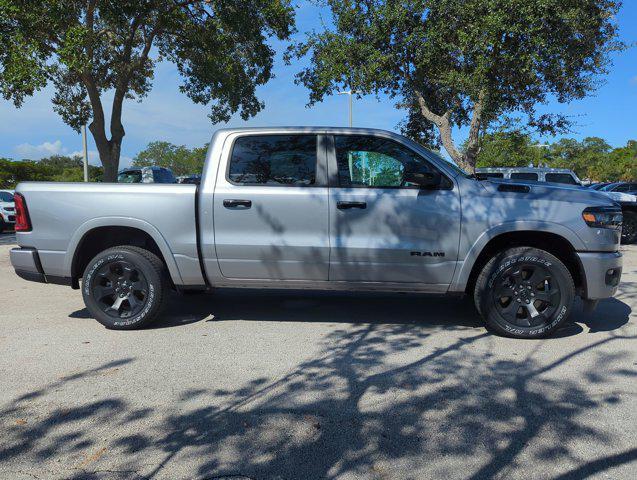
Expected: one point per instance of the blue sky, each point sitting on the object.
(35, 131)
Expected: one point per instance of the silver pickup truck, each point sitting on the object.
(324, 208)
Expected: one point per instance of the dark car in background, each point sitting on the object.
(190, 179)
(146, 175)
(623, 187)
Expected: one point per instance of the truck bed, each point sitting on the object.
(62, 213)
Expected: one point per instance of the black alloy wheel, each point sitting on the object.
(120, 289)
(526, 295)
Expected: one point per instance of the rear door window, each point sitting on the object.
(524, 176)
(274, 160)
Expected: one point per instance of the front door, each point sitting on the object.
(270, 209)
(383, 228)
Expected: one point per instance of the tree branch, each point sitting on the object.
(443, 122)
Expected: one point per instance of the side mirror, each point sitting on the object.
(424, 179)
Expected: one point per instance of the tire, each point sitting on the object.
(125, 287)
(2, 225)
(629, 228)
(524, 292)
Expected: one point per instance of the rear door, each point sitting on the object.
(270, 208)
(384, 229)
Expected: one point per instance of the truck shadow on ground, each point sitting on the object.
(354, 409)
(368, 308)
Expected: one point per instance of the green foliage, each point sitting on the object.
(88, 47)
(463, 62)
(508, 149)
(53, 169)
(592, 158)
(180, 159)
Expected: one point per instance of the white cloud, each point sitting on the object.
(46, 149)
(93, 156)
(36, 152)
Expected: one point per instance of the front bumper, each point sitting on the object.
(602, 273)
(26, 263)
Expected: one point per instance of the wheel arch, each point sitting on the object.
(99, 234)
(562, 246)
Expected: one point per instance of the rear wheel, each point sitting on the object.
(629, 228)
(524, 293)
(125, 287)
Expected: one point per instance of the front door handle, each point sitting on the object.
(346, 205)
(237, 203)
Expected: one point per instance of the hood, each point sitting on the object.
(554, 191)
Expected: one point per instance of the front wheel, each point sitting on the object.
(524, 293)
(125, 287)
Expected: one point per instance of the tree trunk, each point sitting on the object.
(467, 159)
(109, 150)
(110, 162)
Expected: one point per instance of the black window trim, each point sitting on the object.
(332, 163)
(320, 179)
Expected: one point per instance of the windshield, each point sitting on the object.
(609, 187)
(6, 197)
(130, 176)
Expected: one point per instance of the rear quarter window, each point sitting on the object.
(524, 176)
(560, 178)
(485, 175)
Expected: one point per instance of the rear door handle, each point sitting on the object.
(346, 205)
(237, 203)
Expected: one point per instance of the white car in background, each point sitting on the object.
(7, 210)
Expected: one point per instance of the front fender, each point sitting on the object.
(143, 225)
(461, 276)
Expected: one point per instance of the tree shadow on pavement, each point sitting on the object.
(361, 408)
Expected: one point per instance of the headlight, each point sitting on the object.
(603, 217)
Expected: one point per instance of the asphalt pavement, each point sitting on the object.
(301, 385)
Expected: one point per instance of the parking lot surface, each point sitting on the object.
(302, 385)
